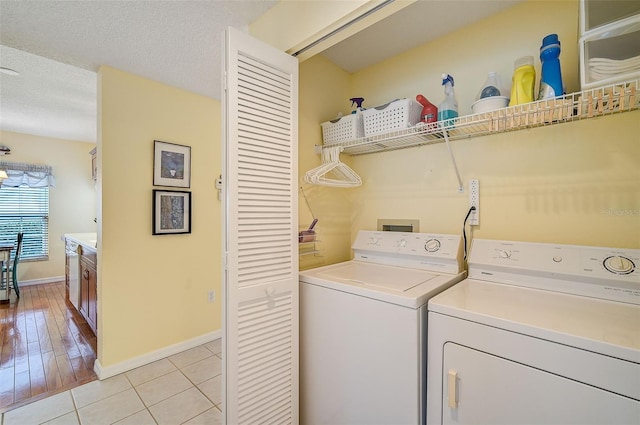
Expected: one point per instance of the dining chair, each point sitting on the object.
(13, 268)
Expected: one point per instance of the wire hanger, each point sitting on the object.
(332, 172)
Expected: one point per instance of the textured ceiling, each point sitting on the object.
(175, 42)
(58, 45)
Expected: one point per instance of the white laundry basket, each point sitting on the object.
(396, 115)
(343, 129)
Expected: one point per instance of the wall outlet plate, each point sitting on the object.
(474, 201)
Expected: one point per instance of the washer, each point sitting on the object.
(363, 328)
(537, 334)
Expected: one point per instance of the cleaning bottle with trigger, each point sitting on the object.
(448, 108)
(358, 102)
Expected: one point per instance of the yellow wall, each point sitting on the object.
(322, 92)
(72, 202)
(575, 183)
(152, 290)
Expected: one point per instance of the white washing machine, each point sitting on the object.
(363, 328)
(537, 334)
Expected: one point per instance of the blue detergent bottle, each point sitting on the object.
(448, 108)
(551, 79)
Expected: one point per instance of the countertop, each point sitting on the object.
(87, 240)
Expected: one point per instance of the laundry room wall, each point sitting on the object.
(324, 91)
(573, 183)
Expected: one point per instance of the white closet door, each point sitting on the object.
(260, 204)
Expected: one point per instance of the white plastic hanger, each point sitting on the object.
(332, 172)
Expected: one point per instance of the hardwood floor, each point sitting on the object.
(46, 346)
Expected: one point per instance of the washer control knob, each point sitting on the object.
(557, 259)
(402, 243)
(374, 241)
(432, 245)
(504, 254)
(619, 264)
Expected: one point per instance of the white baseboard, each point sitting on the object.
(40, 281)
(127, 365)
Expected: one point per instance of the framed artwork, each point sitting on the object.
(171, 164)
(171, 212)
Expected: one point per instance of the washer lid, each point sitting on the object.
(396, 279)
(398, 285)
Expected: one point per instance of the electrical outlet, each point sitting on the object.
(474, 201)
(212, 296)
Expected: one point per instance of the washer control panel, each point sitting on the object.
(609, 273)
(420, 250)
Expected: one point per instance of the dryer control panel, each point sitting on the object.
(427, 251)
(607, 273)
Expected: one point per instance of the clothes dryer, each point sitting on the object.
(537, 333)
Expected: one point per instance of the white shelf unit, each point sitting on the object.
(587, 104)
(609, 48)
(595, 14)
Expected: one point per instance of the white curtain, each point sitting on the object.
(27, 175)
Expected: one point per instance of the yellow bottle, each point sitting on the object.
(524, 80)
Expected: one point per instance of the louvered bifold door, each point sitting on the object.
(260, 335)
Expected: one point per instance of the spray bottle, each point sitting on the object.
(448, 108)
(358, 102)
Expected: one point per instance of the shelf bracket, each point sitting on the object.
(453, 159)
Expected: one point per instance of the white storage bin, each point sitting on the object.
(610, 54)
(596, 13)
(397, 115)
(343, 129)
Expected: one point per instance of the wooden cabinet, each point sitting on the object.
(66, 276)
(89, 288)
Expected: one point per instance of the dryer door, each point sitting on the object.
(481, 388)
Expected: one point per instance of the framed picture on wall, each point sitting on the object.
(171, 212)
(171, 164)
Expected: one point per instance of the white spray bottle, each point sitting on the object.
(448, 108)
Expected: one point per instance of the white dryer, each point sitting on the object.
(537, 334)
(363, 328)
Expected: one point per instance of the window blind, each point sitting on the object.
(25, 209)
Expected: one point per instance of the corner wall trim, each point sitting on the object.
(127, 365)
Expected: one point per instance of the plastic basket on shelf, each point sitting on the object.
(397, 115)
(343, 129)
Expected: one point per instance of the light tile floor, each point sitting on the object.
(185, 388)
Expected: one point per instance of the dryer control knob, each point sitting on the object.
(619, 265)
(504, 254)
(402, 243)
(432, 245)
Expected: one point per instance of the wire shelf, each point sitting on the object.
(606, 100)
